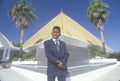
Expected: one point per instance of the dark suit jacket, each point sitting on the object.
(53, 55)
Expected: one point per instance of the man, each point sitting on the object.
(57, 55)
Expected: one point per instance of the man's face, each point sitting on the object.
(55, 33)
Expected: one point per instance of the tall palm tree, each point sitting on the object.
(97, 13)
(22, 14)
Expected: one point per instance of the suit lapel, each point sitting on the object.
(53, 45)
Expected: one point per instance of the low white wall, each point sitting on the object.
(24, 62)
(103, 60)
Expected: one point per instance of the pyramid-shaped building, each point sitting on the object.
(69, 28)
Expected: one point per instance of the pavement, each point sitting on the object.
(11, 75)
(112, 75)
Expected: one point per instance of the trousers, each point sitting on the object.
(60, 78)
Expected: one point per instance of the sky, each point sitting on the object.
(46, 10)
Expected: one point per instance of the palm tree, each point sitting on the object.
(22, 14)
(97, 13)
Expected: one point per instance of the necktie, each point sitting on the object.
(57, 44)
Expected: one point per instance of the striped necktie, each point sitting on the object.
(57, 44)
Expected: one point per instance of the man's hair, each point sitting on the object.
(57, 27)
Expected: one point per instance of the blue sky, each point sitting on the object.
(48, 9)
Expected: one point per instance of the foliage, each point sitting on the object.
(115, 55)
(30, 55)
(22, 13)
(16, 44)
(97, 13)
(95, 51)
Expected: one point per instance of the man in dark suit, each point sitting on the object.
(57, 55)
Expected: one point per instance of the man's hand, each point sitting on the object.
(60, 64)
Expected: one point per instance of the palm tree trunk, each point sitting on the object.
(100, 28)
(21, 43)
(103, 43)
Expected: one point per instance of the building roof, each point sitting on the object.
(69, 27)
(4, 41)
